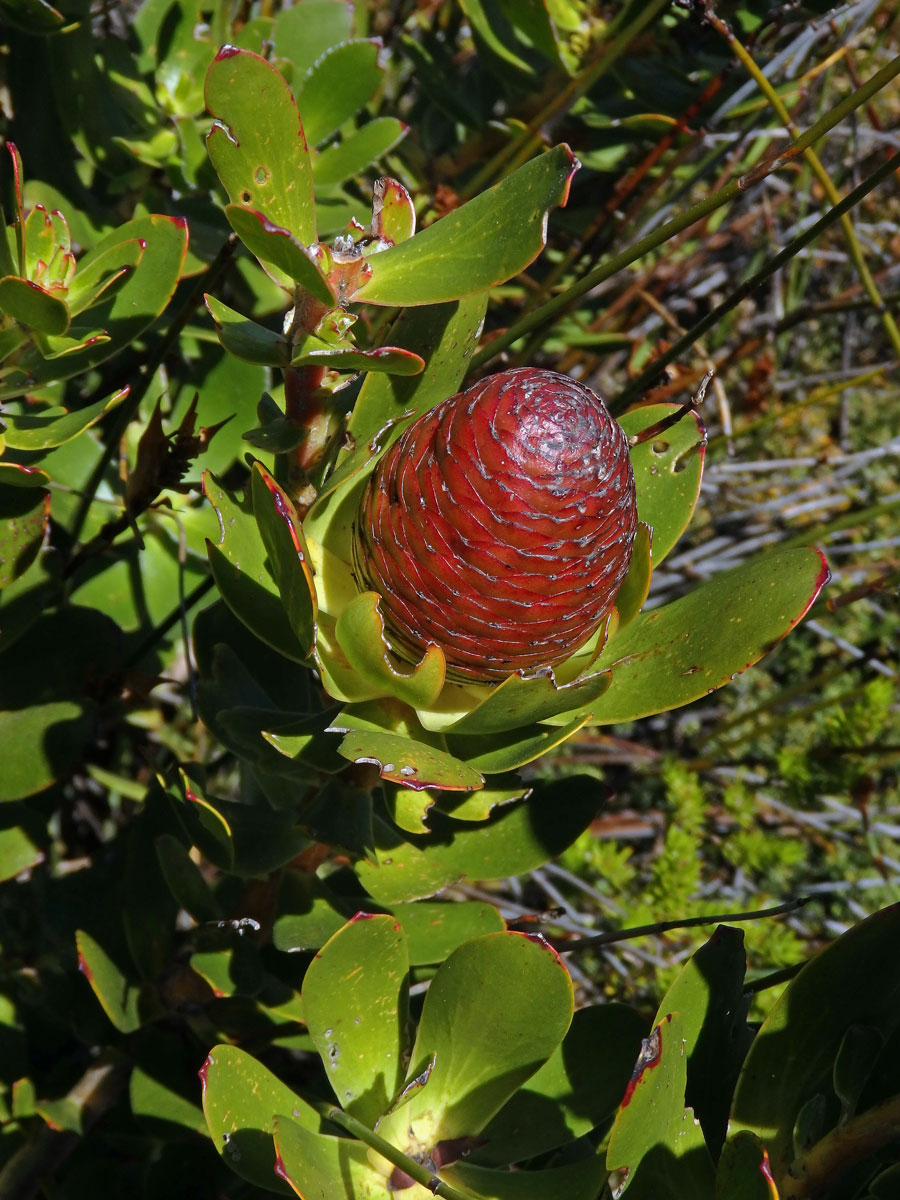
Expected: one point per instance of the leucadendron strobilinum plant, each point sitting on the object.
(461, 569)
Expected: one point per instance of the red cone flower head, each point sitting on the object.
(500, 525)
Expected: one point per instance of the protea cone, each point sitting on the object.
(500, 525)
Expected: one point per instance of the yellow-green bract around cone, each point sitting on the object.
(500, 525)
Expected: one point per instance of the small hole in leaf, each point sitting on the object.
(261, 175)
(659, 447)
(246, 197)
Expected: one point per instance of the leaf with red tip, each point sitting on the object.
(257, 144)
(241, 571)
(743, 1171)
(655, 1144)
(124, 312)
(288, 556)
(393, 214)
(672, 655)
(272, 244)
(481, 244)
(391, 360)
(312, 1163)
(355, 1008)
(241, 1099)
(54, 427)
(118, 997)
(411, 763)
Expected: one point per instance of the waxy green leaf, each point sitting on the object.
(246, 339)
(33, 306)
(240, 567)
(312, 1162)
(409, 762)
(118, 997)
(272, 244)
(54, 427)
(241, 1099)
(516, 838)
(288, 556)
(360, 632)
(672, 655)
(356, 151)
(481, 244)
(338, 84)
(655, 1144)
(743, 1171)
(494, 1013)
(257, 144)
(667, 472)
(355, 1007)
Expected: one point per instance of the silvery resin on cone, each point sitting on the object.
(500, 525)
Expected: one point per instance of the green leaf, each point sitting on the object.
(411, 763)
(481, 244)
(672, 655)
(356, 151)
(577, 1089)
(257, 144)
(55, 427)
(288, 557)
(793, 1055)
(494, 1013)
(514, 840)
(581, 1180)
(33, 16)
(635, 586)
(315, 1162)
(161, 1087)
(655, 1144)
(241, 1099)
(239, 567)
(32, 306)
(392, 360)
(185, 880)
(245, 339)
(304, 32)
(21, 835)
(97, 272)
(24, 522)
(360, 632)
(709, 994)
(118, 997)
(743, 1171)
(435, 928)
(355, 1007)
(337, 86)
(123, 312)
(667, 472)
(272, 244)
(518, 701)
(498, 752)
(43, 743)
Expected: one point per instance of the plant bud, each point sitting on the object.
(499, 525)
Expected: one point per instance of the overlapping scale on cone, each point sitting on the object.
(500, 525)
